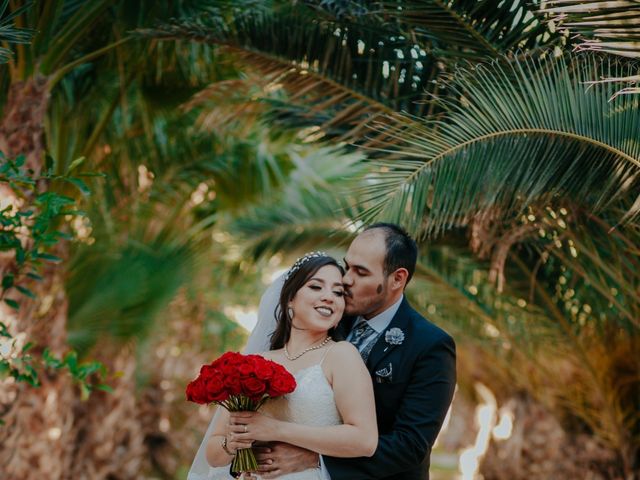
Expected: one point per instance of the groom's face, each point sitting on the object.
(365, 282)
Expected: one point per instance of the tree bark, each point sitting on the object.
(38, 436)
(49, 432)
(38, 433)
(22, 123)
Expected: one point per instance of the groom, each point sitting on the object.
(411, 361)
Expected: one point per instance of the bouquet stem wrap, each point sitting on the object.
(245, 460)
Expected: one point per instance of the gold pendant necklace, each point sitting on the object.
(291, 359)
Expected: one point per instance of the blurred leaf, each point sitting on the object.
(77, 162)
(12, 303)
(25, 291)
(79, 184)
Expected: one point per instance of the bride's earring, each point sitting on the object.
(290, 317)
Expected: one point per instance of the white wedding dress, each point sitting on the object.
(311, 403)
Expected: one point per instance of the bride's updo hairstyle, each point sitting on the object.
(298, 275)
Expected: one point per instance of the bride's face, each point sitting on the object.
(319, 304)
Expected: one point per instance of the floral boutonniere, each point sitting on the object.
(394, 336)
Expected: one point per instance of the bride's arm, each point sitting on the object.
(216, 455)
(353, 391)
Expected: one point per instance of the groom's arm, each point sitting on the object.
(418, 420)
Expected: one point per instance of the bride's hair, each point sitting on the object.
(294, 282)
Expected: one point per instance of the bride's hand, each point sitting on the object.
(234, 444)
(252, 426)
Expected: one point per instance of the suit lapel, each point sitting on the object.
(381, 349)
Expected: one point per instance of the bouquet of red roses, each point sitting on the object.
(240, 383)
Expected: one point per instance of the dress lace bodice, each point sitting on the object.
(311, 403)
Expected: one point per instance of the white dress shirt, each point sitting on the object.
(379, 323)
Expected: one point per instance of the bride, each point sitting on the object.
(332, 410)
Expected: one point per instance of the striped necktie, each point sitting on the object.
(360, 337)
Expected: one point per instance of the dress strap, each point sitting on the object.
(326, 352)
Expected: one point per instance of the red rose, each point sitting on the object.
(232, 358)
(216, 391)
(278, 369)
(234, 374)
(197, 391)
(245, 369)
(233, 385)
(208, 371)
(264, 371)
(282, 384)
(252, 387)
(229, 370)
(217, 363)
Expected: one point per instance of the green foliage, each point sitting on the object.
(310, 212)
(348, 70)
(38, 217)
(81, 372)
(344, 65)
(471, 28)
(29, 231)
(516, 137)
(119, 293)
(611, 27)
(565, 327)
(8, 32)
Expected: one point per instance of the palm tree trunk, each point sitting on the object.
(48, 432)
(38, 436)
(22, 123)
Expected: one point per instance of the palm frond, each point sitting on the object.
(356, 64)
(522, 133)
(451, 288)
(155, 212)
(9, 33)
(347, 73)
(471, 28)
(599, 263)
(314, 224)
(229, 107)
(120, 293)
(74, 22)
(177, 66)
(314, 210)
(523, 337)
(612, 26)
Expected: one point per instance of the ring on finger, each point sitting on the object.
(246, 429)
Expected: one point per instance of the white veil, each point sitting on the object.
(258, 342)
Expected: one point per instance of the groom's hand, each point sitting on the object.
(277, 458)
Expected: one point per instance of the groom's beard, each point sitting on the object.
(367, 306)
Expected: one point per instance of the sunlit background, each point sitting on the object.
(163, 162)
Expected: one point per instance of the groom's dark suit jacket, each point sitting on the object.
(411, 402)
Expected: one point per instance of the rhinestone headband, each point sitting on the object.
(301, 261)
